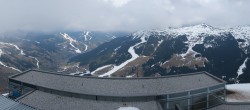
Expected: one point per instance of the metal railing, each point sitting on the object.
(196, 99)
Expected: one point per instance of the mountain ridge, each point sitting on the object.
(195, 47)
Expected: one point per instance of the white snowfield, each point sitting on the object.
(241, 92)
(241, 68)
(242, 32)
(128, 108)
(71, 41)
(132, 53)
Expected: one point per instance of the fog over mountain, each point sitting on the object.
(125, 15)
(81, 37)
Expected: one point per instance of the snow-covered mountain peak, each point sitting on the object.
(196, 30)
(241, 31)
(141, 33)
(191, 32)
(203, 25)
(195, 35)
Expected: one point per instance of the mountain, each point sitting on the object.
(20, 51)
(224, 52)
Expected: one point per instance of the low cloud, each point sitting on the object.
(126, 15)
(118, 3)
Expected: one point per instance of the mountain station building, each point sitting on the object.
(55, 91)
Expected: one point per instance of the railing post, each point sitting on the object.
(208, 91)
(225, 94)
(21, 89)
(9, 87)
(189, 100)
(168, 101)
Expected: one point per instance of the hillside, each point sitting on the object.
(223, 52)
(21, 51)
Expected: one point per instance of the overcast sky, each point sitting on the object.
(126, 15)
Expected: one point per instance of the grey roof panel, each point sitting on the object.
(239, 106)
(47, 101)
(118, 86)
(8, 104)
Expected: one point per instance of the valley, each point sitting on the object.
(224, 52)
(22, 51)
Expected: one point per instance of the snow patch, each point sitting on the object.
(208, 45)
(241, 92)
(1, 52)
(241, 68)
(10, 44)
(82, 74)
(117, 48)
(1, 63)
(37, 61)
(78, 73)
(159, 42)
(130, 76)
(86, 47)
(100, 68)
(86, 35)
(71, 41)
(113, 37)
(5, 94)
(128, 108)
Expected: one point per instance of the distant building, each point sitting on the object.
(54, 91)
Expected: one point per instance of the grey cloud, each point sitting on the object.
(127, 15)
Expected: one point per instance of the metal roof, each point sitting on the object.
(8, 104)
(48, 101)
(120, 87)
(232, 106)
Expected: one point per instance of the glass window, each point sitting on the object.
(199, 102)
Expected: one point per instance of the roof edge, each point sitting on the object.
(169, 76)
